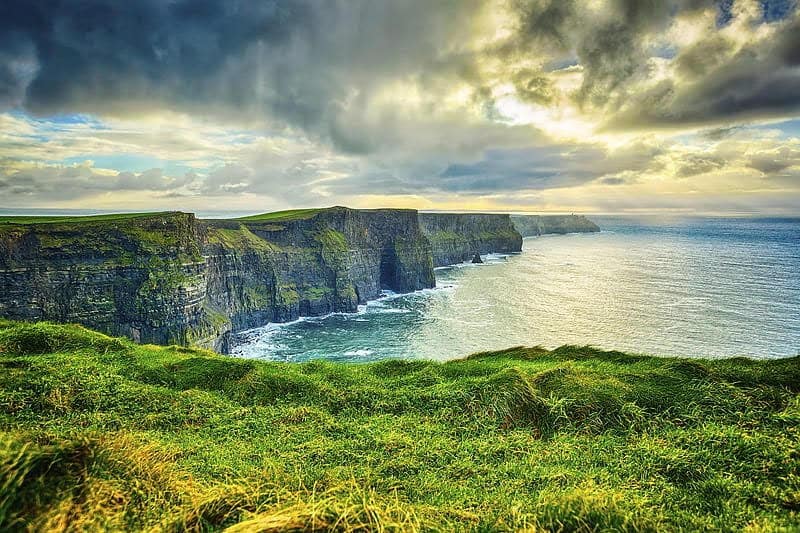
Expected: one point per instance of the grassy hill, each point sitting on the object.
(283, 216)
(115, 217)
(99, 433)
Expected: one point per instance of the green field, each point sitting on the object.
(278, 216)
(102, 434)
(70, 219)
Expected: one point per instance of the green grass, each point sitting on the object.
(122, 239)
(240, 239)
(281, 216)
(102, 434)
(69, 219)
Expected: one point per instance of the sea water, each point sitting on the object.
(695, 287)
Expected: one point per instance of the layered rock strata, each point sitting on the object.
(457, 237)
(168, 278)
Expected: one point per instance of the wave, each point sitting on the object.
(362, 352)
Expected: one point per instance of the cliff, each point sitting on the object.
(532, 225)
(456, 237)
(278, 268)
(168, 278)
(142, 276)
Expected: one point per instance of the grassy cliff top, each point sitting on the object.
(302, 214)
(100, 433)
(280, 216)
(88, 218)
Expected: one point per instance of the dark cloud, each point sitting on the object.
(103, 52)
(773, 162)
(314, 65)
(18, 66)
(530, 168)
(701, 57)
(611, 47)
(719, 82)
(534, 86)
(692, 165)
(760, 80)
(717, 134)
(364, 87)
(319, 66)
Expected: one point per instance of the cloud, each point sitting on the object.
(722, 80)
(58, 183)
(361, 74)
(320, 67)
(694, 164)
(305, 102)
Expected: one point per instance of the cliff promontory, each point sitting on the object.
(533, 225)
(142, 276)
(280, 266)
(168, 278)
(457, 237)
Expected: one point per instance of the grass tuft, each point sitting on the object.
(44, 337)
(508, 399)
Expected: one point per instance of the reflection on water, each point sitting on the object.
(691, 287)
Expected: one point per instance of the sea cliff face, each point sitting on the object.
(457, 237)
(532, 225)
(276, 270)
(168, 278)
(142, 277)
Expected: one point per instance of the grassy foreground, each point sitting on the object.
(99, 433)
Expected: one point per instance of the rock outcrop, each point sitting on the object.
(278, 269)
(456, 237)
(533, 225)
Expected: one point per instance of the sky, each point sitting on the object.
(592, 106)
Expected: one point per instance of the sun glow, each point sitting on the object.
(561, 123)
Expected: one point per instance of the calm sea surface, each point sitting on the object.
(697, 287)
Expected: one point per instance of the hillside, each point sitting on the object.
(101, 433)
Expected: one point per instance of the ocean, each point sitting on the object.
(693, 287)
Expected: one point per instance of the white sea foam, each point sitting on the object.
(359, 353)
(390, 310)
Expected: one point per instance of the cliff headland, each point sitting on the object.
(533, 225)
(169, 278)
